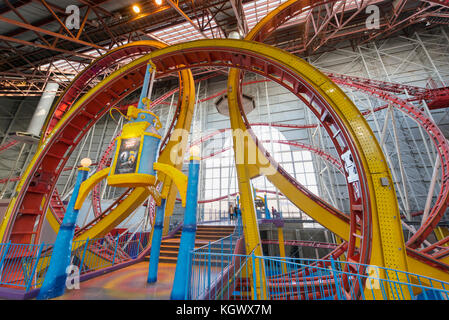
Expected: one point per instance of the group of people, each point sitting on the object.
(234, 212)
(275, 213)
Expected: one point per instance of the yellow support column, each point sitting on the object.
(250, 226)
(174, 152)
(441, 233)
(169, 206)
(282, 247)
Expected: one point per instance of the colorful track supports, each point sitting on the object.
(281, 245)
(378, 235)
(339, 118)
(181, 288)
(249, 217)
(156, 243)
(55, 278)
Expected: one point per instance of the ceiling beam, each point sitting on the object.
(37, 45)
(50, 33)
(239, 13)
(182, 13)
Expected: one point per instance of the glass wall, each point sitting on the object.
(220, 180)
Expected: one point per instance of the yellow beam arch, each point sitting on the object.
(88, 185)
(179, 178)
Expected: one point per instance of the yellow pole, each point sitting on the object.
(282, 247)
(249, 220)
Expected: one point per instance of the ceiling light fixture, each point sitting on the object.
(136, 8)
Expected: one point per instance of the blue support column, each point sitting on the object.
(146, 87)
(56, 276)
(183, 266)
(267, 210)
(156, 243)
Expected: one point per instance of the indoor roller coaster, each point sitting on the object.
(371, 231)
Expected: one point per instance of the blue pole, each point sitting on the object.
(145, 87)
(115, 249)
(55, 278)
(253, 261)
(183, 265)
(209, 253)
(84, 255)
(337, 281)
(30, 281)
(267, 211)
(156, 243)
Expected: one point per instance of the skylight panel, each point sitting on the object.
(184, 32)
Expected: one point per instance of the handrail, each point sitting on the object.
(215, 284)
(24, 265)
(330, 279)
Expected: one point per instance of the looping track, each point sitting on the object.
(441, 146)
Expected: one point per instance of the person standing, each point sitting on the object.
(274, 212)
(231, 211)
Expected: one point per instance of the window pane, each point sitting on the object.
(286, 156)
(306, 155)
(310, 178)
(308, 167)
(297, 156)
(299, 167)
(288, 167)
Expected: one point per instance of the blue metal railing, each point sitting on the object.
(18, 264)
(204, 281)
(214, 216)
(23, 266)
(306, 279)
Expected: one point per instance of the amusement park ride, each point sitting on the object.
(149, 166)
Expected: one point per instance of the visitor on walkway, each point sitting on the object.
(275, 213)
(231, 212)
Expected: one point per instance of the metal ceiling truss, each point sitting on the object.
(37, 51)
